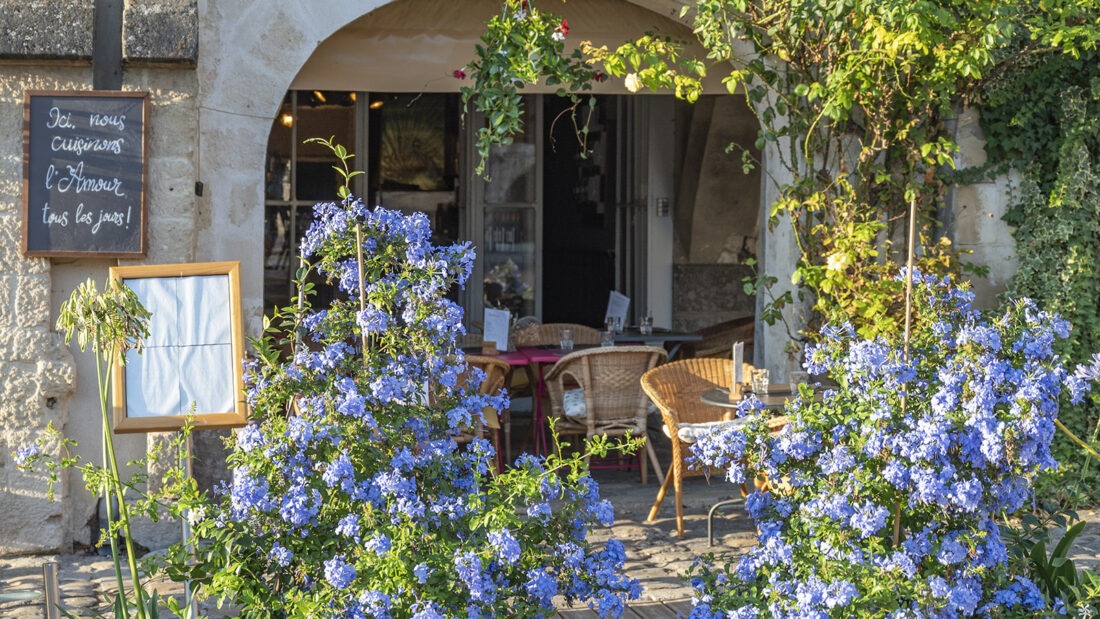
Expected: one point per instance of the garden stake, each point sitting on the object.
(190, 603)
(1074, 438)
(362, 282)
(908, 328)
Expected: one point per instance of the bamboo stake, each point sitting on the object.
(362, 281)
(910, 259)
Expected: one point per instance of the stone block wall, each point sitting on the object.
(43, 381)
(707, 294)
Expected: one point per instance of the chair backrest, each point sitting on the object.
(677, 388)
(496, 371)
(610, 379)
(550, 334)
(717, 340)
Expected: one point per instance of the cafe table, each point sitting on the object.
(660, 337)
(775, 399)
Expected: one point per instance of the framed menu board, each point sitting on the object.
(193, 354)
(84, 173)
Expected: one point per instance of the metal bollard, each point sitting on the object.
(52, 591)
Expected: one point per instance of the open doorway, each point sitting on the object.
(578, 212)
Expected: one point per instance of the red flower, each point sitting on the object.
(600, 76)
(523, 4)
(564, 27)
(459, 74)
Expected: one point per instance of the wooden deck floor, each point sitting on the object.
(638, 610)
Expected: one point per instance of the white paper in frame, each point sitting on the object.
(193, 353)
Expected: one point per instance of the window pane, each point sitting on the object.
(321, 114)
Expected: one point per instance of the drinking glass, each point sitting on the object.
(567, 339)
(760, 381)
(797, 378)
(646, 328)
(607, 338)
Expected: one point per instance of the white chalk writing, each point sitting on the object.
(118, 121)
(76, 181)
(59, 120)
(80, 145)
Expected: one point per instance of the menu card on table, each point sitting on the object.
(738, 367)
(617, 306)
(496, 328)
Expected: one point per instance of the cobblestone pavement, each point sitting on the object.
(655, 555)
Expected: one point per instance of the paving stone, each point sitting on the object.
(655, 555)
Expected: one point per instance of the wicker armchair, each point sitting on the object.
(676, 388)
(607, 398)
(550, 334)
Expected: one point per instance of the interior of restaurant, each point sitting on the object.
(557, 225)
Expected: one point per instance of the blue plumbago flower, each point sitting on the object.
(506, 546)
(348, 526)
(338, 573)
(353, 449)
(895, 479)
(25, 453)
(280, 555)
(379, 544)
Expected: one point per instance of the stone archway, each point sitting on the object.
(251, 51)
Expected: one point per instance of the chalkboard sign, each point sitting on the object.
(84, 169)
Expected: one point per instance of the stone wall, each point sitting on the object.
(43, 381)
(707, 294)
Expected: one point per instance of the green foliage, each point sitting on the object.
(855, 99)
(1031, 112)
(521, 46)
(852, 98)
(112, 322)
(1055, 574)
(1057, 212)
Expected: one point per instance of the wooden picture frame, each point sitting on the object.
(193, 353)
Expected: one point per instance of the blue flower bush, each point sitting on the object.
(350, 496)
(883, 494)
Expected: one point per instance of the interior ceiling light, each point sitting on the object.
(374, 105)
(320, 96)
(287, 119)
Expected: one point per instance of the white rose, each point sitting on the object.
(633, 83)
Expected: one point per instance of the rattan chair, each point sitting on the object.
(607, 398)
(550, 334)
(496, 373)
(677, 388)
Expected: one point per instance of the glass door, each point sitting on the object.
(505, 223)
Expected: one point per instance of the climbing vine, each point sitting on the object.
(1044, 120)
(855, 100)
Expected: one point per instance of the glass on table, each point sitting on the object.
(798, 378)
(566, 343)
(607, 338)
(646, 328)
(760, 381)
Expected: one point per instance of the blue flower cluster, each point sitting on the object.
(351, 497)
(882, 493)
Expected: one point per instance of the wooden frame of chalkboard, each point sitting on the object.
(193, 353)
(85, 157)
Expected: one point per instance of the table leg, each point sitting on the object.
(538, 420)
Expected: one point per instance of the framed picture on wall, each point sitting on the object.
(193, 354)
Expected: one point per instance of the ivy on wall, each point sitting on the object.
(1044, 120)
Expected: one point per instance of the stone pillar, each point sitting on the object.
(779, 256)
